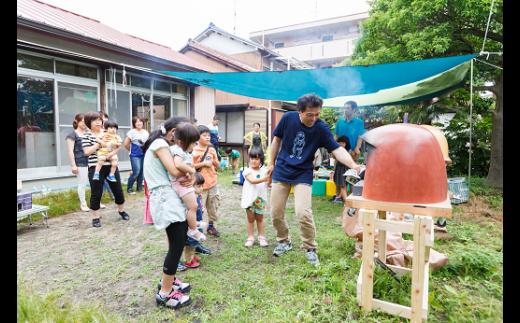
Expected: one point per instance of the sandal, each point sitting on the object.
(249, 242)
(263, 241)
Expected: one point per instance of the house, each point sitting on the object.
(67, 64)
(321, 43)
(226, 52)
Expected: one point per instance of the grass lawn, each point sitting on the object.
(249, 285)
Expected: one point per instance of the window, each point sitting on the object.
(46, 108)
(180, 108)
(326, 38)
(36, 140)
(76, 70)
(109, 77)
(72, 99)
(161, 109)
(35, 62)
(231, 127)
(161, 86)
(278, 45)
(169, 99)
(119, 110)
(181, 89)
(142, 82)
(141, 108)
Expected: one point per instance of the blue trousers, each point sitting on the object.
(137, 173)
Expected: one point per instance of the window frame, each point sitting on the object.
(43, 172)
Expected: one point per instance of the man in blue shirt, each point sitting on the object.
(295, 140)
(352, 128)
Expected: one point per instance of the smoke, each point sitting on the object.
(331, 83)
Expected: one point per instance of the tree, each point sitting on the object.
(400, 30)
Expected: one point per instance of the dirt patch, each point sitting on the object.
(479, 210)
(117, 265)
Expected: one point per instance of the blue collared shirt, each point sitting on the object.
(351, 129)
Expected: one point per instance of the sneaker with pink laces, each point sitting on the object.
(178, 285)
(174, 300)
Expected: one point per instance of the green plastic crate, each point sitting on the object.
(319, 187)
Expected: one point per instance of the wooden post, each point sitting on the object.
(367, 267)
(381, 241)
(418, 263)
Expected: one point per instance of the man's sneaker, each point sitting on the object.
(96, 223)
(338, 200)
(173, 300)
(130, 192)
(192, 264)
(95, 177)
(282, 248)
(213, 231)
(111, 178)
(332, 199)
(124, 215)
(203, 250)
(178, 286)
(312, 257)
(102, 206)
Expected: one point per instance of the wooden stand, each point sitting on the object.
(373, 215)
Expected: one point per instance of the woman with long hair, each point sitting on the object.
(78, 160)
(167, 210)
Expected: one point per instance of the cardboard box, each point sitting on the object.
(24, 201)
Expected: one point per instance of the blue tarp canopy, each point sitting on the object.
(370, 85)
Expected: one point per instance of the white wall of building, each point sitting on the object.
(226, 45)
(204, 105)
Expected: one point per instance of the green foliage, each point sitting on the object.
(400, 30)
(49, 308)
(330, 116)
(458, 131)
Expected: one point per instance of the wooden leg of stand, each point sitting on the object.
(418, 262)
(367, 267)
(381, 240)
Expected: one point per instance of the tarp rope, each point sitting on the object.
(487, 27)
(470, 126)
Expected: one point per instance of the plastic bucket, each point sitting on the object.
(319, 187)
(458, 190)
(331, 188)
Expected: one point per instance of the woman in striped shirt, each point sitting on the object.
(94, 122)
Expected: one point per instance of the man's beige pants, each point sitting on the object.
(303, 208)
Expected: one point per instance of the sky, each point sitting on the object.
(172, 23)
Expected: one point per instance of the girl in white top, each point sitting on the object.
(167, 210)
(254, 197)
(185, 137)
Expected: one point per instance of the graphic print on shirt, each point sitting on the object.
(298, 144)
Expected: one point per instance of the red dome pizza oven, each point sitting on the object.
(405, 165)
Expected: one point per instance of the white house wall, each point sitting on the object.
(226, 45)
(204, 105)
